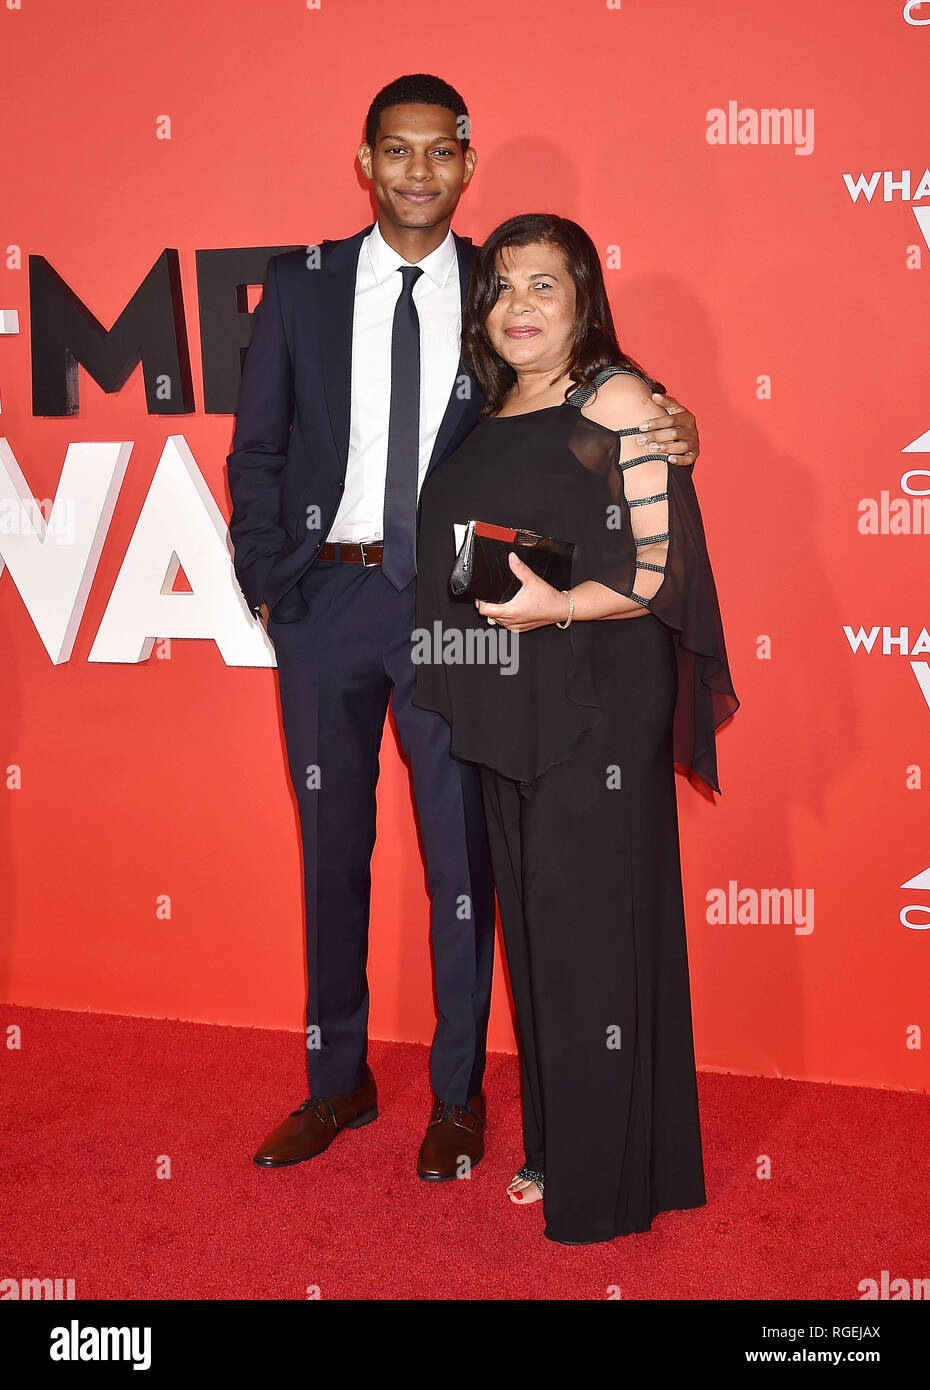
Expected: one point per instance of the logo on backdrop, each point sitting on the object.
(53, 562)
(887, 186)
(52, 548)
(894, 641)
(917, 915)
(908, 187)
(917, 12)
(906, 513)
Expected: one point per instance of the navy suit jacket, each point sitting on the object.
(291, 441)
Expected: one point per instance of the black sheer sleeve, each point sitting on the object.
(648, 543)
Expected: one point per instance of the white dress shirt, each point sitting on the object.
(438, 300)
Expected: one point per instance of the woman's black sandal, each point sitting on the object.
(528, 1174)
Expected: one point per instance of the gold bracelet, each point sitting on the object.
(571, 608)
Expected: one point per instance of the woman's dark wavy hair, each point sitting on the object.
(594, 344)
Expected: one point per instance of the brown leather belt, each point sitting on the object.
(354, 554)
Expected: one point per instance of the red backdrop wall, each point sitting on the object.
(786, 309)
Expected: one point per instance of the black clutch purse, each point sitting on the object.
(482, 568)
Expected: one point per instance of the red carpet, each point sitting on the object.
(91, 1102)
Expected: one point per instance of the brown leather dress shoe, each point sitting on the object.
(313, 1126)
(454, 1133)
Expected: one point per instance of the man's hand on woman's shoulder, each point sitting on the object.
(623, 401)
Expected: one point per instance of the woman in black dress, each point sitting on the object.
(576, 718)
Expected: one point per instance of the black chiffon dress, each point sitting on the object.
(576, 733)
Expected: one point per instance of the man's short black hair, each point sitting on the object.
(423, 90)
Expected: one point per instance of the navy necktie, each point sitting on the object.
(399, 557)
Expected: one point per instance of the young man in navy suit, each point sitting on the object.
(352, 388)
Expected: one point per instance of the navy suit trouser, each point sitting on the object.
(339, 664)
